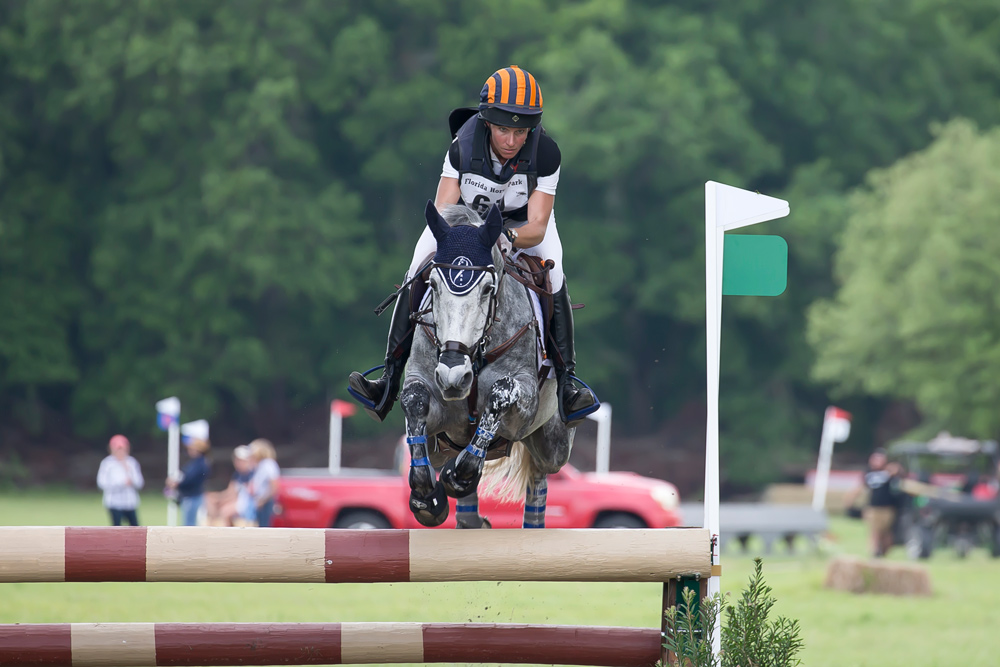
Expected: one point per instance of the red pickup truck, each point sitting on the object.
(369, 499)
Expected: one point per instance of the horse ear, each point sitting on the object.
(490, 231)
(436, 223)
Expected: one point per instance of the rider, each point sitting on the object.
(500, 155)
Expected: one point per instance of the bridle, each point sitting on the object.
(475, 353)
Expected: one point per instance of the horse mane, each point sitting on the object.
(458, 214)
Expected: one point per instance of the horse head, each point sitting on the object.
(464, 281)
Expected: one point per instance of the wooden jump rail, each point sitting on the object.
(37, 554)
(141, 644)
(289, 555)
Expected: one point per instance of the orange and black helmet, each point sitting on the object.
(511, 98)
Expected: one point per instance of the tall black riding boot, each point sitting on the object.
(575, 403)
(377, 396)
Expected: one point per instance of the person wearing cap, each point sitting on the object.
(499, 155)
(120, 477)
(190, 484)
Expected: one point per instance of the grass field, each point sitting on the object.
(959, 625)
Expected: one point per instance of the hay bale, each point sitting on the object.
(877, 576)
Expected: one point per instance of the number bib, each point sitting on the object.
(480, 193)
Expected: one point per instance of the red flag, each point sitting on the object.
(342, 408)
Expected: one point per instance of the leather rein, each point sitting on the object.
(479, 355)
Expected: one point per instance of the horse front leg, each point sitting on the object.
(461, 475)
(427, 497)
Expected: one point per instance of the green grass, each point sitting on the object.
(957, 626)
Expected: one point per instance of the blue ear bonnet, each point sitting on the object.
(462, 246)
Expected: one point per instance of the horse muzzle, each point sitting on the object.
(454, 374)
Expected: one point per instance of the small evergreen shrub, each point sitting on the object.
(749, 638)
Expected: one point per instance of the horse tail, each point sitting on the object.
(506, 479)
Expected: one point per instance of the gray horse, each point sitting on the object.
(477, 312)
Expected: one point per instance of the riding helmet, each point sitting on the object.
(511, 98)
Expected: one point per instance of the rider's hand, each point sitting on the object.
(506, 246)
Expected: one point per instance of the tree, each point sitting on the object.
(917, 314)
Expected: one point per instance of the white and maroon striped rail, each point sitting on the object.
(141, 644)
(29, 554)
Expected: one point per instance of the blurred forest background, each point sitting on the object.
(207, 198)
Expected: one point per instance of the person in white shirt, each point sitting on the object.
(120, 477)
(264, 483)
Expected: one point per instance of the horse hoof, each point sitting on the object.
(456, 487)
(430, 510)
(479, 522)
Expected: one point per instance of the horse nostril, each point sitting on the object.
(467, 379)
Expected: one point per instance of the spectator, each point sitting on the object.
(881, 481)
(234, 505)
(120, 477)
(190, 485)
(264, 485)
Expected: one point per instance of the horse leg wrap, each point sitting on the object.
(467, 513)
(422, 480)
(534, 503)
(427, 498)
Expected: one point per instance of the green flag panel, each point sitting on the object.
(754, 265)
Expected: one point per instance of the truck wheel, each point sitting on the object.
(619, 520)
(919, 541)
(361, 520)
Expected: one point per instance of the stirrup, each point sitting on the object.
(365, 402)
(575, 417)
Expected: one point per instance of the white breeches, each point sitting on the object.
(549, 248)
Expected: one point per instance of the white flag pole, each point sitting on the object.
(168, 412)
(603, 418)
(726, 208)
(714, 247)
(836, 427)
(823, 468)
(173, 465)
(336, 435)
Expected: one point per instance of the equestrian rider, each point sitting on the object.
(500, 155)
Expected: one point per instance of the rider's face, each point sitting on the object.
(507, 141)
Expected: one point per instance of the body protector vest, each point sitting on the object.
(480, 187)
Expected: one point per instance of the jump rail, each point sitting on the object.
(141, 644)
(36, 554)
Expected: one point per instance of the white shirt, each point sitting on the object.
(546, 184)
(113, 477)
(260, 484)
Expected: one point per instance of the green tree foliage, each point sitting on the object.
(917, 314)
(208, 198)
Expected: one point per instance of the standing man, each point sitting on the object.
(880, 481)
(499, 155)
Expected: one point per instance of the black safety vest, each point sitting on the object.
(480, 187)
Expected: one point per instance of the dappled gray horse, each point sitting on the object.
(478, 338)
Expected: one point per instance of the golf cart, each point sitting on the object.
(950, 495)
